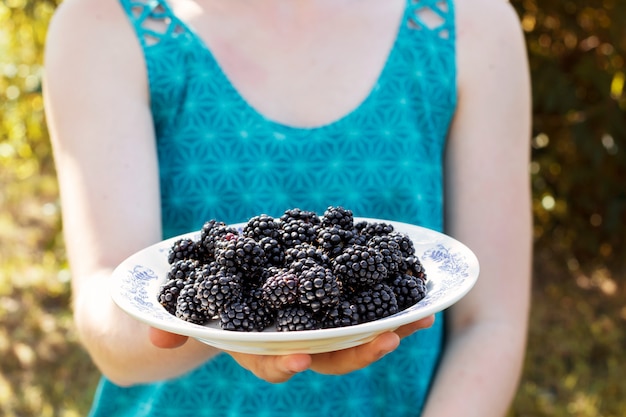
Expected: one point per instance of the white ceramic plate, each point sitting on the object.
(451, 267)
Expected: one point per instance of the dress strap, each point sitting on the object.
(432, 15)
(153, 20)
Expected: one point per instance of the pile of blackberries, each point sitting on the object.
(301, 271)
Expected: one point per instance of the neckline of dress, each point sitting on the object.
(401, 26)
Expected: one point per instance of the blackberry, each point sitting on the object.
(183, 269)
(342, 315)
(371, 229)
(412, 266)
(375, 303)
(333, 239)
(295, 318)
(357, 239)
(360, 266)
(262, 315)
(296, 232)
(237, 253)
(250, 255)
(408, 289)
(215, 288)
(236, 316)
(309, 217)
(301, 265)
(338, 216)
(168, 294)
(261, 226)
(298, 256)
(183, 249)
(389, 249)
(274, 253)
(247, 315)
(319, 289)
(404, 241)
(188, 308)
(212, 232)
(281, 289)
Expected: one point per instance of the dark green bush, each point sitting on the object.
(577, 50)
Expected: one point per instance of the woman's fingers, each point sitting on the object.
(408, 329)
(278, 369)
(273, 369)
(166, 340)
(347, 360)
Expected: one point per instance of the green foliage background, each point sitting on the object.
(577, 50)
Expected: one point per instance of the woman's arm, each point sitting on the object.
(488, 208)
(101, 130)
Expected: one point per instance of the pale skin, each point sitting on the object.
(308, 63)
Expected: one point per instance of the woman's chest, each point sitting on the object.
(300, 66)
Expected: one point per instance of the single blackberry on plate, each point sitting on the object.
(274, 252)
(342, 315)
(224, 252)
(183, 269)
(215, 288)
(250, 254)
(212, 232)
(295, 318)
(296, 232)
(412, 266)
(252, 281)
(236, 316)
(370, 229)
(389, 249)
(168, 293)
(297, 257)
(319, 289)
(338, 216)
(309, 217)
(237, 253)
(261, 226)
(359, 266)
(375, 303)
(269, 271)
(357, 239)
(404, 241)
(262, 315)
(246, 315)
(333, 239)
(281, 289)
(184, 249)
(408, 289)
(188, 307)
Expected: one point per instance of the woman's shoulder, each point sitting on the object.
(488, 33)
(486, 16)
(91, 44)
(88, 21)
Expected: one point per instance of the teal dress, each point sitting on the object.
(221, 159)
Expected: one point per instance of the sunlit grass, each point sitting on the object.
(45, 372)
(574, 365)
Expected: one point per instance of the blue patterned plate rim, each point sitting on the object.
(451, 267)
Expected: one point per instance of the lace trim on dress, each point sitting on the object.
(156, 22)
(432, 15)
(154, 19)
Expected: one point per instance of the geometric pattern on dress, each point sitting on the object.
(219, 158)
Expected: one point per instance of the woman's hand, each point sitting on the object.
(281, 368)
